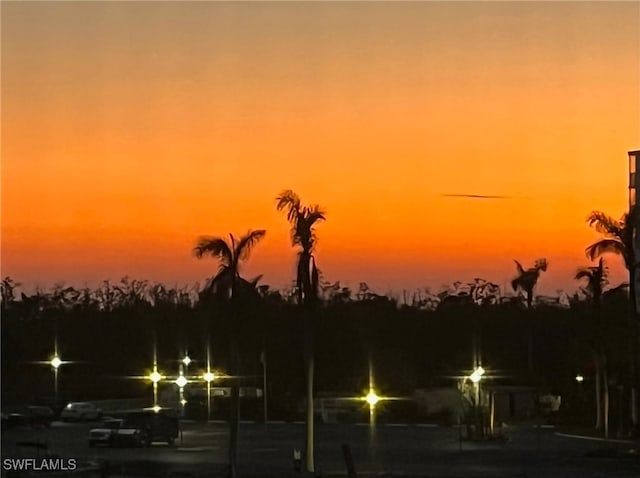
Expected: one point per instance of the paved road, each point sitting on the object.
(392, 450)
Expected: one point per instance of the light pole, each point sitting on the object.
(476, 377)
(372, 400)
(263, 359)
(182, 382)
(579, 380)
(186, 361)
(208, 377)
(55, 364)
(155, 377)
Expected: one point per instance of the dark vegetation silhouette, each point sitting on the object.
(618, 239)
(415, 347)
(110, 332)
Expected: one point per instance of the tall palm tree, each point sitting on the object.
(618, 239)
(596, 281)
(526, 280)
(302, 220)
(227, 284)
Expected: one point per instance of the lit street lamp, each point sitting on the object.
(186, 360)
(476, 377)
(372, 399)
(208, 377)
(55, 364)
(181, 382)
(477, 374)
(155, 377)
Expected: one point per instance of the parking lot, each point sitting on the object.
(410, 450)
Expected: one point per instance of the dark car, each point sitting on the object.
(116, 432)
(40, 416)
(33, 416)
(159, 425)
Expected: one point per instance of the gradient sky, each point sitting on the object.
(129, 129)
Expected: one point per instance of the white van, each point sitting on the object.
(81, 411)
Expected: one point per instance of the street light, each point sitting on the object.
(208, 377)
(372, 398)
(579, 378)
(476, 377)
(186, 360)
(477, 374)
(55, 364)
(155, 378)
(181, 382)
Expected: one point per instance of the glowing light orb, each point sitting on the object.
(477, 375)
(209, 377)
(181, 381)
(155, 377)
(55, 362)
(372, 398)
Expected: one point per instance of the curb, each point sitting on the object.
(584, 437)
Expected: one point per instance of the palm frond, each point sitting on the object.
(519, 268)
(290, 201)
(255, 280)
(603, 246)
(584, 273)
(246, 243)
(541, 264)
(604, 224)
(314, 214)
(214, 246)
(514, 284)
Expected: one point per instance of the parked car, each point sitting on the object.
(33, 416)
(159, 425)
(81, 411)
(116, 432)
(40, 416)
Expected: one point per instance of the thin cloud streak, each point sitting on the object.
(475, 196)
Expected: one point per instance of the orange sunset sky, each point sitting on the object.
(129, 129)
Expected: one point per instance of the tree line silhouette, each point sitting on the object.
(318, 335)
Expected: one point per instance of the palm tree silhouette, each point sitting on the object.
(526, 281)
(302, 220)
(226, 284)
(596, 277)
(619, 240)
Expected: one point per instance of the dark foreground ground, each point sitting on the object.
(387, 450)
